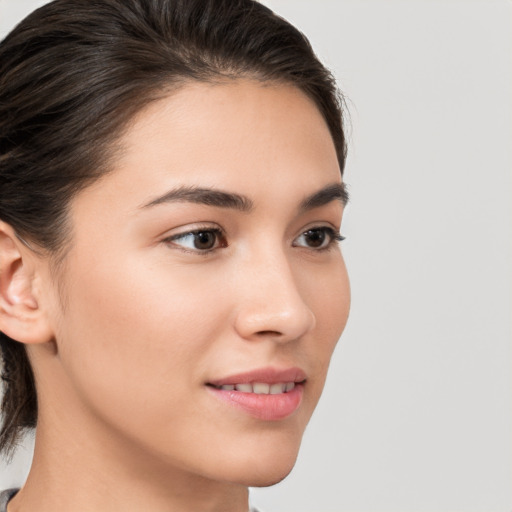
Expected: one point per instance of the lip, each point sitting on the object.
(261, 406)
(268, 375)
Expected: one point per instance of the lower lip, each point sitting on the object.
(263, 407)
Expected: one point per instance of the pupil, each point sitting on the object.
(315, 237)
(204, 240)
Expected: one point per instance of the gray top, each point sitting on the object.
(5, 497)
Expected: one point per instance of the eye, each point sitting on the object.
(318, 238)
(200, 240)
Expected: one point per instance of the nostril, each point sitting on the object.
(269, 333)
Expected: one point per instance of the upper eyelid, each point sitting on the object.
(319, 225)
(194, 232)
(190, 228)
(172, 240)
(221, 232)
(191, 232)
(333, 232)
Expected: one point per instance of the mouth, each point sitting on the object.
(258, 388)
(265, 394)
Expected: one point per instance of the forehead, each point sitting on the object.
(245, 136)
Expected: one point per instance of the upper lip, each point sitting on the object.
(269, 375)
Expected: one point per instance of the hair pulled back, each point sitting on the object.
(74, 73)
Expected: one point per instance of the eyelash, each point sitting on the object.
(216, 231)
(333, 235)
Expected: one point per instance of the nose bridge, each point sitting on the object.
(271, 303)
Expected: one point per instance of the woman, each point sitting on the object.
(171, 284)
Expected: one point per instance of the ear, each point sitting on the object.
(21, 317)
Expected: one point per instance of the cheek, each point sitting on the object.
(328, 296)
(131, 331)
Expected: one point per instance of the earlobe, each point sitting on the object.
(21, 317)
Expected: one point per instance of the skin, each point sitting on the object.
(124, 339)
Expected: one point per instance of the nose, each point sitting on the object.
(270, 302)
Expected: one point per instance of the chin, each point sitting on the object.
(263, 469)
(264, 478)
(269, 480)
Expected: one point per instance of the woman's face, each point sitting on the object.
(206, 260)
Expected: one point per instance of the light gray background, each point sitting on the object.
(416, 415)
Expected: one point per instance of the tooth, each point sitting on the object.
(228, 387)
(289, 386)
(261, 388)
(276, 389)
(244, 388)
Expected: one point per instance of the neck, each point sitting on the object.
(81, 470)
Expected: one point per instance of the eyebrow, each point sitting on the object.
(230, 200)
(206, 196)
(333, 192)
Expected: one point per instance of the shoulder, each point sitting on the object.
(5, 497)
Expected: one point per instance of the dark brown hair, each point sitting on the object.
(74, 72)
